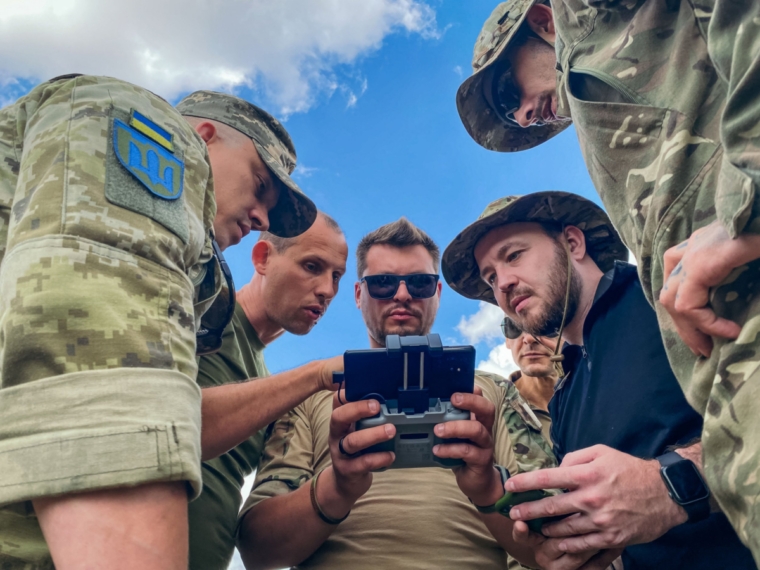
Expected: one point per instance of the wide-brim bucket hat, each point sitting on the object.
(603, 243)
(474, 97)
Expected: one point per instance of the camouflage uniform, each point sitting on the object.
(106, 213)
(664, 100)
(444, 531)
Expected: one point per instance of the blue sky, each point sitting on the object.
(370, 107)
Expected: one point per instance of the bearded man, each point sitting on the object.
(553, 262)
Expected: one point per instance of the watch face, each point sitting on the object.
(685, 482)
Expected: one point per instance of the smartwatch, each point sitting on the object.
(492, 508)
(685, 485)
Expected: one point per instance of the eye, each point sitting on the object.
(336, 277)
(489, 279)
(311, 267)
(514, 256)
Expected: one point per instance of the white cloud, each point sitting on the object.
(485, 325)
(499, 361)
(458, 70)
(303, 171)
(290, 49)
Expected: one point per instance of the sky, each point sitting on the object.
(366, 89)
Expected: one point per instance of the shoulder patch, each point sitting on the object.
(151, 163)
(143, 176)
(152, 130)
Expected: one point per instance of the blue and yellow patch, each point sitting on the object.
(147, 159)
(151, 130)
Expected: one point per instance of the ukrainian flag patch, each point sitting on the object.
(143, 124)
(147, 159)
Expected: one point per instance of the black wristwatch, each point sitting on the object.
(685, 485)
(492, 508)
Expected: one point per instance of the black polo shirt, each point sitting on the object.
(621, 392)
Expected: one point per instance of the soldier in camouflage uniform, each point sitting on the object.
(664, 102)
(400, 518)
(107, 216)
(533, 255)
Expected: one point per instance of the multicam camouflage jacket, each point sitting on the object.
(663, 94)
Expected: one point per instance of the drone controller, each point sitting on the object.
(413, 378)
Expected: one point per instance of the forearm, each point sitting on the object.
(500, 526)
(693, 453)
(266, 538)
(137, 527)
(233, 412)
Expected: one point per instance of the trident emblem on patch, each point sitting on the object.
(151, 163)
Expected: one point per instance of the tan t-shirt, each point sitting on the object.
(409, 518)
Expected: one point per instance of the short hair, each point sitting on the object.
(229, 135)
(525, 34)
(401, 233)
(280, 244)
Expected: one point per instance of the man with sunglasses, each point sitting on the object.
(537, 373)
(108, 216)
(552, 261)
(311, 478)
(663, 98)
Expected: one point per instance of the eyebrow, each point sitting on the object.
(502, 252)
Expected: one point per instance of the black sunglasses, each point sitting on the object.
(419, 285)
(510, 329)
(504, 93)
(209, 338)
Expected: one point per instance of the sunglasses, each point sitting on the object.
(504, 93)
(209, 338)
(419, 285)
(510, 329)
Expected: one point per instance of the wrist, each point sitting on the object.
(335, 501)
(490, 492)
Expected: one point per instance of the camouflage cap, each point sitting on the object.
(602, 240)
(294, 212)
(474, 100)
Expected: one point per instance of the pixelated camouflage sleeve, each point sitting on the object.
(97, 328)
(733, 42)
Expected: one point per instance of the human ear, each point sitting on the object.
(358, 294)
(207, 131)
(540, 20)
(260, 256)
(576, 241)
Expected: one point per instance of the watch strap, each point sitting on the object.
(504, 474)
(697, 510)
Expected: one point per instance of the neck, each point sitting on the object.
(590, 277)
(251, 299)
(537, 390)
(373, 343)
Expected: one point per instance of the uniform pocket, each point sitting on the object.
(642, 160)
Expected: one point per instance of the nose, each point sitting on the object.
(326, 288)
(505, 280)
(402, 294)
(259, 220)
(526, 113)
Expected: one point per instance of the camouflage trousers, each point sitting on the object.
(725, 389)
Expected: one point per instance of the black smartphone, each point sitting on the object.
(378, 372)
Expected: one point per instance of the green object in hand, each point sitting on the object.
(509, 500)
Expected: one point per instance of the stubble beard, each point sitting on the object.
(549, 319)
(380, 331)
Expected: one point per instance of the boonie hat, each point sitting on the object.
(474, 100)
(602, 240)
(294, 212)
